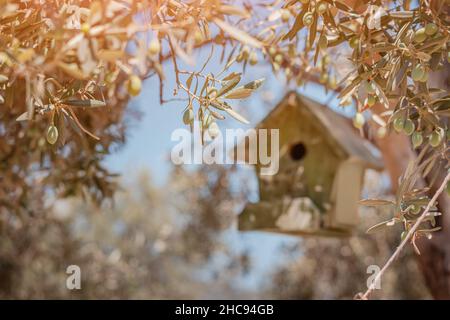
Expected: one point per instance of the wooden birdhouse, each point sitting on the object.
(322, 160)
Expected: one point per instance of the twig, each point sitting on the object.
(407, 238)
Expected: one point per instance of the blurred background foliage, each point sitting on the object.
(161, 242)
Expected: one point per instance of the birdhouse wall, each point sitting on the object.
(346, 192)
(309, 170)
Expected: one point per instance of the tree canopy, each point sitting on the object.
(68, 68)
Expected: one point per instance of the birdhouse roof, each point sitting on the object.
(338, 127)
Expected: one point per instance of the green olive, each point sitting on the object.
(240, 57)
(358, 120)
(245, 52)
(321, 7)
(326, 60)
(399, 123)
(272, 51)
(198, 37)
(431, 29)
(154, 47)
(409, 127)
(416, 139)
(278, 58)
(308, 19)
(332, 83)
(354, 42)
(424, 78)
(371, 100)
(420, 35)
(85, 28)
(288, 72)
(213, 130)
(323, 42)
(285, 15)
(323, 78)
(435, 138)
(417, 72)
(52, 134)
(253, 59)
(381, 132)
(276, 66)
(403, 235)
(188, 116)
(134, 85)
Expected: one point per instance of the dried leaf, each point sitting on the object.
(229, 85)
(376, 202)
(238, 34)
(381, 225)
(237, 116)
(84, 103)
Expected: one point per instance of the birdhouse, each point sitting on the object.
(322, 160)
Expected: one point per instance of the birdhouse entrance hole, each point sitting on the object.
(297, 151)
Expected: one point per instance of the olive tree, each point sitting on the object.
(68, 68)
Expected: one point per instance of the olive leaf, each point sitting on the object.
(84, 103)
(72, 69)
(381, 225)
(23, 117)
(298, 25)
(380, 94)
(246, 90)
(376, 202)
(229, 85)
(238, 34)
(237, 116)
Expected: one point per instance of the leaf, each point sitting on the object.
(216, 115)
(84, 103)
(298, 25)
(110, 55)
(237, 116)
(72, 70)
(233, 10)
(238, 34)
(189, 81)
(239, 93)
(328, 19)
(313, 31)
(23, 117)
(340, 5)
(255, 84)
(401, 15)
(381, 225)
(349, 89)
(231, 76)
(229, 85)
(376, 202)
(246, 90)
(380, 94)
